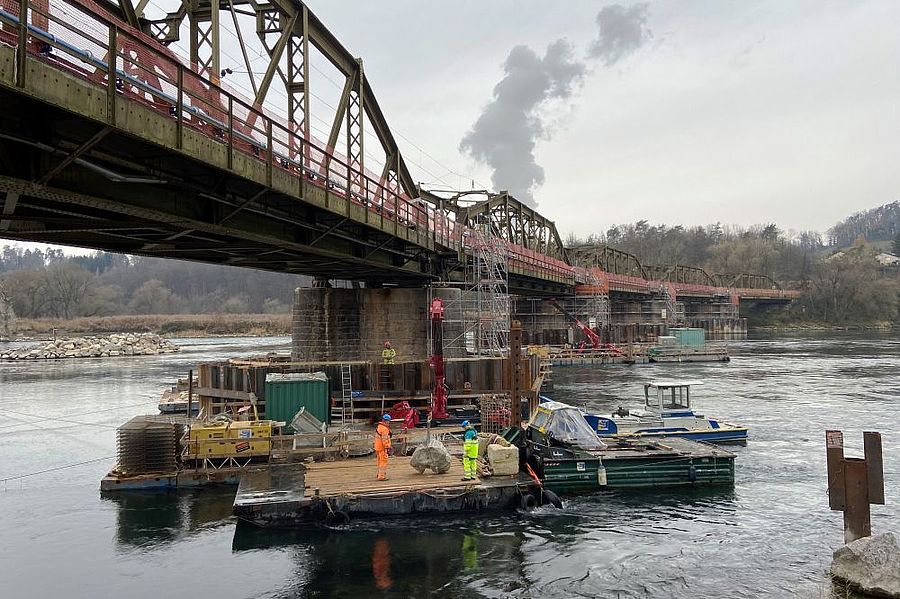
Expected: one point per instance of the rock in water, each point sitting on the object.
(432, 455)
(871, 564)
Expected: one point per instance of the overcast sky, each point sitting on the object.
(687, 112)
(734, 111)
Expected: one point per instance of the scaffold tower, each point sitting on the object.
(480, 315)
(592, 302)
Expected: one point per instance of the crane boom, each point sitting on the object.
(593, 337)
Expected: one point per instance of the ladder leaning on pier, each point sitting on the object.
(343, 412)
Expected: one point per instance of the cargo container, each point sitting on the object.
(287, 393)
(689, 337)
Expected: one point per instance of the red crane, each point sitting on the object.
(439, 397)
(593, 337)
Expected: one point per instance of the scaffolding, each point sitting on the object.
(476, 321)
(673, 311)
(591, 305)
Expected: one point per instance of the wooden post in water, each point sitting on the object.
(854, 483)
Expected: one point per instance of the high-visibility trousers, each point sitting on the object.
(381, 458)
(470, 458)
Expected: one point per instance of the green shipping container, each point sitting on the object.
(689, 337)
(287, 393)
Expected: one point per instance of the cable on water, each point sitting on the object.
(51, 418)
(57, 468)
(62, 418)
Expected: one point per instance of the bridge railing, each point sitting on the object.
(79, 36)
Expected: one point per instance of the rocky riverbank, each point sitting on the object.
(109, 346)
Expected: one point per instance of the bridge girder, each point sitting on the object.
(610, 259)
(747, 281)
(508, 218)
(680, 273)
(286, 30)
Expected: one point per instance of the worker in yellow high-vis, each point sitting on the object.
(470, 451)
(388, 353)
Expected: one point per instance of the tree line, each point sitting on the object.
(846, 285)
(761, 249)
(47, 283)
(877, 224)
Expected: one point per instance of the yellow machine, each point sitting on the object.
(243, 440)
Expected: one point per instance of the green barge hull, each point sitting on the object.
(638, 464)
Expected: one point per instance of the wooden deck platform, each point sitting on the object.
(333, 492)
(357, 477)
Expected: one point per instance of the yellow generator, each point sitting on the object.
(229, 441)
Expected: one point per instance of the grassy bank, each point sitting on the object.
(169, 325)
(822, 326)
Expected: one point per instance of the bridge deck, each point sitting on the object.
(160, 161)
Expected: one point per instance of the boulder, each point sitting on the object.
(433, 456)
(93, 346)
(870, 564)
(504, 460)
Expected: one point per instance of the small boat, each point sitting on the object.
(175, 399)
(568, 456)
(667, 412)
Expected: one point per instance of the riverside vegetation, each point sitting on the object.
(841, 280)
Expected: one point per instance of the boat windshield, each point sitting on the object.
(668, 397)
(569, 426)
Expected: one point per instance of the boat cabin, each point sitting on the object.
(669, 396)
(558, 424)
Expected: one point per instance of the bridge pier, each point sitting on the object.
(630, 318)
(335, 325)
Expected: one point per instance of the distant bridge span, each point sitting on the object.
(153, 154)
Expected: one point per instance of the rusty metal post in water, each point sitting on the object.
(854, 483)
(515, 372)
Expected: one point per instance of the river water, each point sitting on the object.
(770, 536)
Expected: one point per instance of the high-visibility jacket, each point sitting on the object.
(382, 437)
(388, 355)
(470, 443)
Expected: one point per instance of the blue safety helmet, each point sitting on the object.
(465, 423)
(386, 417)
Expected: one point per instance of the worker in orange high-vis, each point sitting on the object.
(382, 446)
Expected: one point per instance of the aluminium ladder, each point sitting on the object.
(343, 413)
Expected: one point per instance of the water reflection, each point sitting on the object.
(413, 557)
(154, 519)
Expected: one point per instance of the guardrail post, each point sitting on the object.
(230, 132)
(22, 51)
(269, 151)
(112, 54)
(179, 109)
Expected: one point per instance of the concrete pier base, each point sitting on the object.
(353, 324)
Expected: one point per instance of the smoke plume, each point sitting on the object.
(505, 134)
(622, 31)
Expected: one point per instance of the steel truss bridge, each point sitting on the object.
(110, 139)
